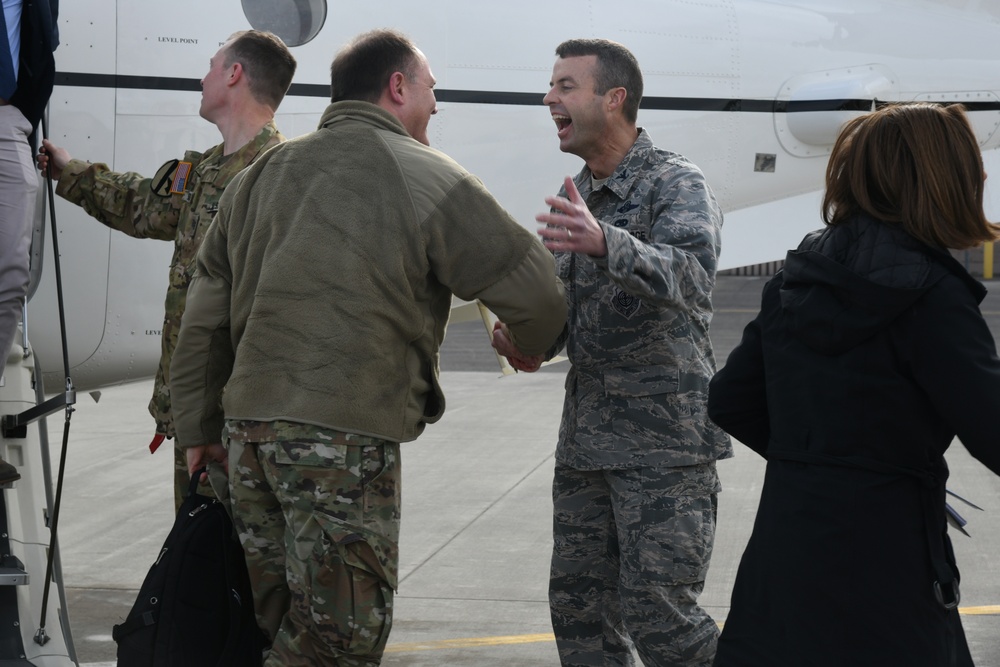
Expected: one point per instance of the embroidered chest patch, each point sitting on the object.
(625, 304)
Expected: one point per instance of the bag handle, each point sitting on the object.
(193, 484)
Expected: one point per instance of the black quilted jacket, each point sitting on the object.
(869, 338)
(868, 356)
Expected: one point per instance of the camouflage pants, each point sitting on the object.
(319, 523)
(631, 551)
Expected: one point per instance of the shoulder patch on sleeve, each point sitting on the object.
(171, 178)
(180, 178)
(164, 178)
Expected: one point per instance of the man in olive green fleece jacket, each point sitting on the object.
(320, 301)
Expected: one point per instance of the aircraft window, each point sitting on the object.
(294, 21)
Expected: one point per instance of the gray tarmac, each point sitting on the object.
(476, 512)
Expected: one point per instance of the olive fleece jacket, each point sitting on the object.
(323, 288)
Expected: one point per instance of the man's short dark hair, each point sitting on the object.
(616, 68)
(268, 63)
(362, 69)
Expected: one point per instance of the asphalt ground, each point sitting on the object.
(476, 512)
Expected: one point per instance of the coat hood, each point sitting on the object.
(845, 283)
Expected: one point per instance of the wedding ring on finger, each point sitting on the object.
(569, 234)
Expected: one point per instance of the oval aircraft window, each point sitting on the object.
(294, 21)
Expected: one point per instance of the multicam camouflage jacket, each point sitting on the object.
(637, 334)
(177, 204)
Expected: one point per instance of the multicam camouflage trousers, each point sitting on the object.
(631, 551)
(319, 523)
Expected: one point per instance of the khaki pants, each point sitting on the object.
(18, 189)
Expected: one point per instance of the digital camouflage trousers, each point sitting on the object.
(630, 554)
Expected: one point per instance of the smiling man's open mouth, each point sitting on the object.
(562, 122)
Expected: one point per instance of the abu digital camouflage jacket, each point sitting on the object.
(637, 334)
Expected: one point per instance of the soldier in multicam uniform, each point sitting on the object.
(351, 241)
(246, 82)
(636, 237)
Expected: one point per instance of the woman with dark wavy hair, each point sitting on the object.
(869, 355)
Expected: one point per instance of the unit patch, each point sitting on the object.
(171, 178)
(625, 304)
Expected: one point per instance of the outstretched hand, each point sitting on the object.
(517, 359)
(570, 226)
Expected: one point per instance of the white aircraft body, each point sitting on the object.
(752, 91)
